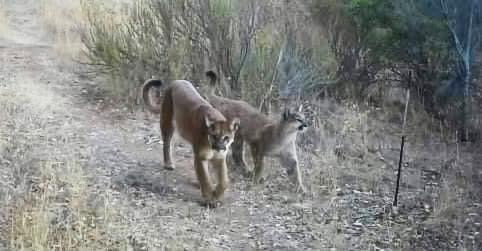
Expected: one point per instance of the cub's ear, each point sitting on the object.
(287, 113)
(205, 116)
(300, 108)
(235, 124)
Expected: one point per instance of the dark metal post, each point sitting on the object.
(400, 161)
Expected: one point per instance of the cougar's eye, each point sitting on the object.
(212, 129)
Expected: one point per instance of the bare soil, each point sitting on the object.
(120, 154)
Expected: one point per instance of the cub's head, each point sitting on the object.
(221, 133)
(294, 120)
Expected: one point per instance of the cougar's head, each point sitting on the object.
(221, 134)
(294, 119)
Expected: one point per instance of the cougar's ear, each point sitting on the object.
(235, 124)
(300, 108)
(204, 116)
(209, 122)
(287, 113)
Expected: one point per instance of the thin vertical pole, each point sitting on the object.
(400, 161)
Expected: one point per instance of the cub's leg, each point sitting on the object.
(221, 169)
(237, 153)
(167, 130)
(202, 173)
(258, 163)
(289, 160)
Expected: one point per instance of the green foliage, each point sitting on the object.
(222, 8)
(395, 34)
(398, 31)
(424, 45)
(368, 14)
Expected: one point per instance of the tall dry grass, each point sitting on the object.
(67, 21)
(64, 20)
(3, 18)
(56, 215)
(44, 192)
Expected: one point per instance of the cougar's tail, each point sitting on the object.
(145, 94)
(211, 75)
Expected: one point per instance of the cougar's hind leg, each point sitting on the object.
(258, 164)
(167, 129)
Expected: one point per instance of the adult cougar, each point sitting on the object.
(264, 135)
(208, 131)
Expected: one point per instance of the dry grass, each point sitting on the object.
(57, 214)
(48, 201)
(351, 154)
(339, 141)
(66, 21)
(3, 19)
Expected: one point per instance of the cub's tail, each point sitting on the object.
(211, 75)
(145, 94)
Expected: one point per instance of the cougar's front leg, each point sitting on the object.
(202, 173)
(258, 163)
(221, 169)
(289, 160)
(237, 153)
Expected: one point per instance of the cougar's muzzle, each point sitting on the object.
(302, 126)
(218, 146)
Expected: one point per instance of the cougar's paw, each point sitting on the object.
(240, 164)
(211, 203)
(258, 179)
(291, 172)
(218, 193)
(246, 173)
(195, 184)
(169, 167)
(301, 189)
(261, 180)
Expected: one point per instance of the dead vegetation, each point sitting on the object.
(46, 203)
(65, 21)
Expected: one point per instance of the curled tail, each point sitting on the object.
(145, 94)
(211, 75)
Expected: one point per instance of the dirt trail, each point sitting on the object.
(119, 159)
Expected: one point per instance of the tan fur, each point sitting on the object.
(208, 131)
(264, 135)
